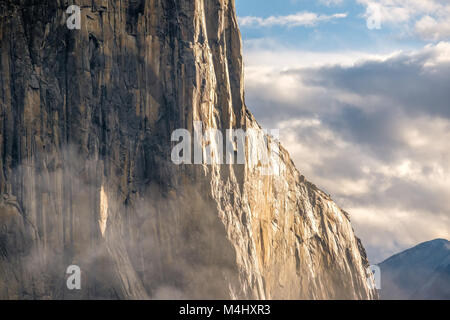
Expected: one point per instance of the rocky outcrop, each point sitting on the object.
(86, 176)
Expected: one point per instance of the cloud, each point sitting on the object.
(331, 2)
(417, 81)
(373, 131)
(427, 19)
(325, 2)
(432, 29)
(307, 19)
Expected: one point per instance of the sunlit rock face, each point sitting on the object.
(86, 173)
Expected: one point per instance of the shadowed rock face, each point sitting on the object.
(86, 176)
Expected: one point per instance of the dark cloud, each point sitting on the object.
(375, 132)
(409, 82)
(404, 194)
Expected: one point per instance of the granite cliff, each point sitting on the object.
(86, 176)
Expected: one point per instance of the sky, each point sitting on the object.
(360, 91)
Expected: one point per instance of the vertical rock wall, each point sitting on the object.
(86, 118)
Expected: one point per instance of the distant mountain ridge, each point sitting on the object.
(422, 272)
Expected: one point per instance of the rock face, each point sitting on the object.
(420, 273)
(86, 176)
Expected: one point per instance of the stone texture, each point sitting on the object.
(85, 172)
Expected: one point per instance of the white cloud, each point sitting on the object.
(432, 29)
(331, 2)
(267, 53)
(325, 2)
(404, 230)
(427, 18)
(304, 18)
